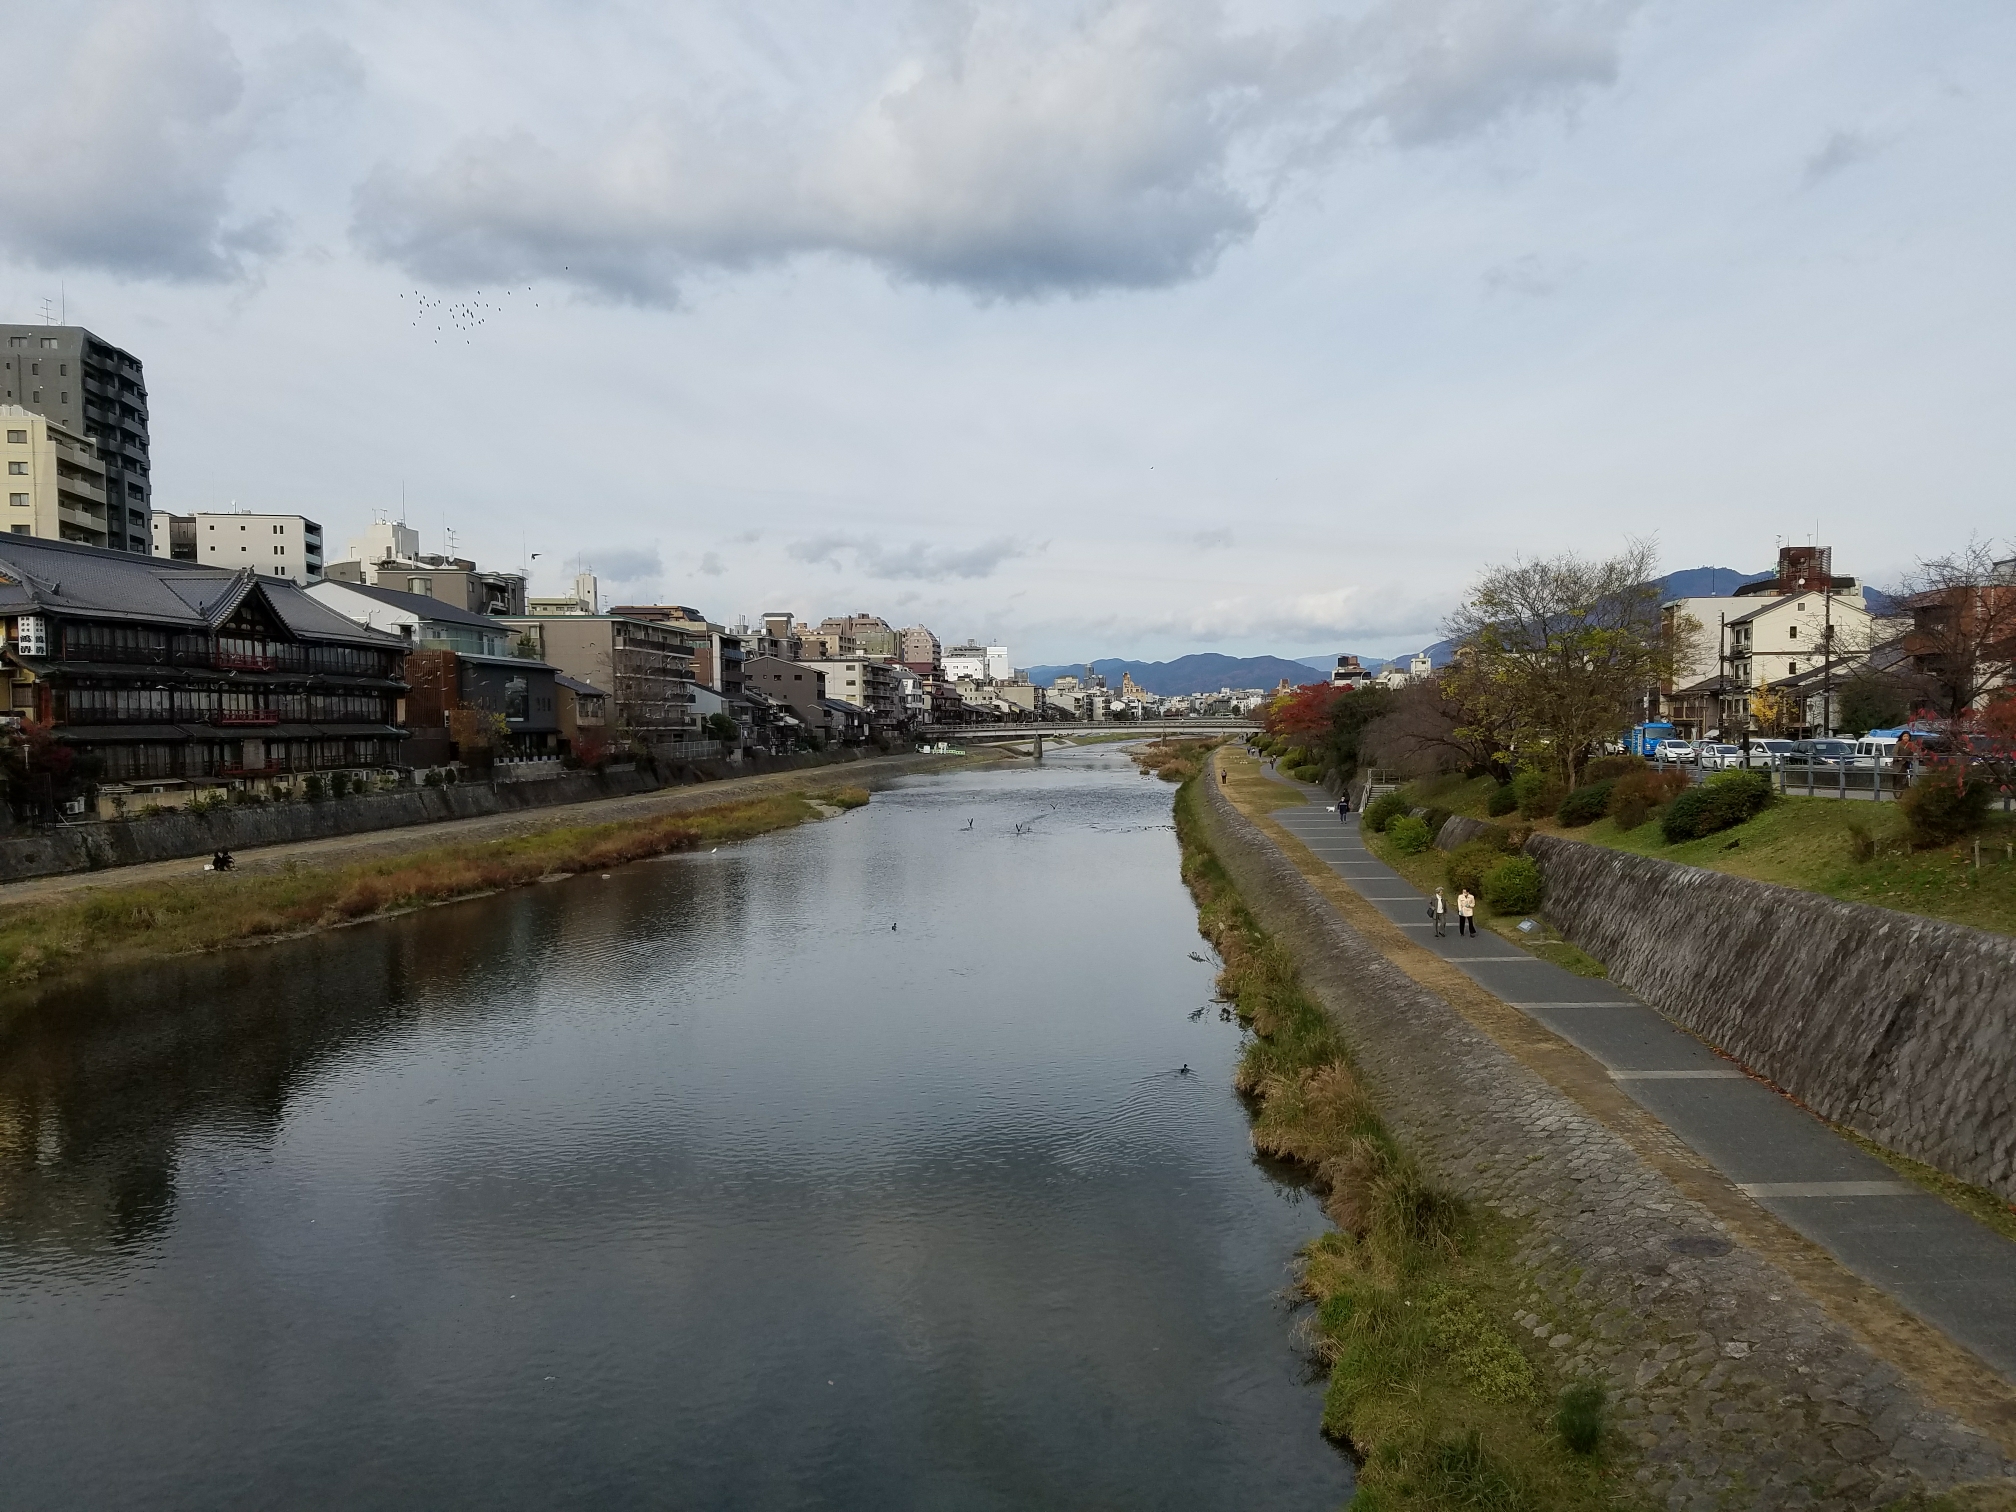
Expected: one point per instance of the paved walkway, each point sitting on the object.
(365, 845)
(1953, 1272)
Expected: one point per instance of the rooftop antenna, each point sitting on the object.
(48, 310)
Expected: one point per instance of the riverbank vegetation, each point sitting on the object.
(1856, 851)
(1175, 759)
(1414, 1294)
(206, 911)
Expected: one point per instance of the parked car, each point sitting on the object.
(1719, 758)
(1769, 751)
(1674, 750)
(1821, 753)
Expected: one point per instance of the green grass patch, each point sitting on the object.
(1415, 1293)
(119, 925)
(1855, 851)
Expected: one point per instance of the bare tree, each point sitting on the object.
(1560, 651)
(1962, 640)
(1428, 730)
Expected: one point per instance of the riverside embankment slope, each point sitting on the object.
(344, 849)
(1721, 1337)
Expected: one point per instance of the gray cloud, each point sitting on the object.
(625, 564)
(1212, 540)
(143, 116)
(711, 564)
(1843, 149)
(914, 562)
(1126, 147)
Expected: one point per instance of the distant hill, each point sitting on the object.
(1204, 672)
(1706, 582)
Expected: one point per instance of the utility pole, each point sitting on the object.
(1827, 664)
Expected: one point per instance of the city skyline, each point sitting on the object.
(1102, 332)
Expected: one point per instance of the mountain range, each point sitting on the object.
(1208, 671)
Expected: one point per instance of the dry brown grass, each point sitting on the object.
(204, 912)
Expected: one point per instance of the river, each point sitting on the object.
(698, 1186)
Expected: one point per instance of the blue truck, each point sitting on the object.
(1643, 740)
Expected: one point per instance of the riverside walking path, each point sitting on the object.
(1940, 1264)
(366, 845)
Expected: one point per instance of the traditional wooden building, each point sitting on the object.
(159, 669)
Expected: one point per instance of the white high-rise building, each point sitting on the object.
(273, 545)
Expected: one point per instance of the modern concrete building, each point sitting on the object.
(646, 667)
(803, 689)
(91, 389)
(273, 545)
(919, 650)
(453, 580)
(56, 483)
(978, 663)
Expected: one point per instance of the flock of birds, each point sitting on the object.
(461, 317)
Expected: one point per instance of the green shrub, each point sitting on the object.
(1604, 768)
(1538, 794)
(1383, 810)
(1722, 802)
(1585, 805)
(314, 787)
(1579, 1419)
(1513, 886)
(1502, 801)
(1409, 835)
(339, 784)
(1944, 804)
(1469, 862)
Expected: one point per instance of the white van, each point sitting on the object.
(1875, 751)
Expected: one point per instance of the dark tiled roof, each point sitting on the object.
(423, 607)
(60, 578)
(575, 683)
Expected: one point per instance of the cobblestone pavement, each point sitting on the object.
(341, 850)
(1737, 1388)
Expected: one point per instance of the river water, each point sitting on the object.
(700, 1186)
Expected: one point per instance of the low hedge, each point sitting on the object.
(1383, 810)
(1513, 886)
(1944, 804)
(1502, 801)
(1722, 802)
(1410, 836)
(1538, 794)
(1585, 805)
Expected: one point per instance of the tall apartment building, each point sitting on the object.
(978, 663)
(646, 667)
(273, 545)
(56, 484)
(91, 389)
(919, 649)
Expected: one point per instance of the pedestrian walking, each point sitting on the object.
(1343, 808)
(1437, 910)
(1466, 913)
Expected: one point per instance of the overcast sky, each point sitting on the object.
(1099, 329)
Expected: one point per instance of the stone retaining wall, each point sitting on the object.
(1902, 1028)
(1736, 1390)
(1459, 829)
(95, 844)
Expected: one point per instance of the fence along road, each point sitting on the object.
(1954, 1273)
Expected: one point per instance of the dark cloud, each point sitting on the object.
(915, 561)
(1841, 150)
(1011, 156)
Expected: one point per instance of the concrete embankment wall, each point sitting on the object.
(1729, 1382)
(165, 837)
(1902, 1028)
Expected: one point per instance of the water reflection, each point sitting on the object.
(699, 1186)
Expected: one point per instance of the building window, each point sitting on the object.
(1791, 668)
(62, 370)
(422, 586)
(35, 368)
(17, 469)
(19, 501)
(48, 343)
(17, 438)
(1793, 633)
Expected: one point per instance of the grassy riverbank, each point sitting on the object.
(1854, 851)
(114, 925)
(1414, 1294)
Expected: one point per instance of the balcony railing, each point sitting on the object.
(245, 661)
(248, 717)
